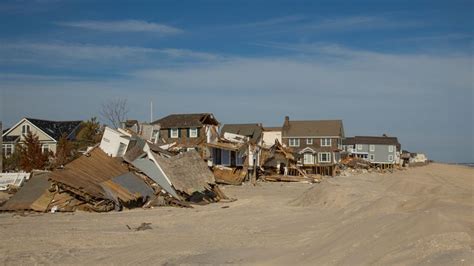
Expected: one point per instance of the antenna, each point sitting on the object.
(151, 111)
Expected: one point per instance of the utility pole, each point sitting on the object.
(151, 111)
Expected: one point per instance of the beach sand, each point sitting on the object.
(419, 216)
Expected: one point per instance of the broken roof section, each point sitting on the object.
(90, 178)
(186, 120)
(312, 128)
(252, 131)
(187, 172)
(34, 195)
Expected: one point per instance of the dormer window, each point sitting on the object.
(25, 129)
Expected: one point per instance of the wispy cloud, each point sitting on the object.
(348, 84)
(71, 53)
(272, 21)
(122, 26)
(360, 22)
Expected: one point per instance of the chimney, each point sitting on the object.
(287, 121)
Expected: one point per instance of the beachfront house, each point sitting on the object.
(187, 131)
(378, 150)
(48, 132)
(315, 143)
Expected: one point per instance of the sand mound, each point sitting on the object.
(327, 195)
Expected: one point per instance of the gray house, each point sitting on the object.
(377, 150)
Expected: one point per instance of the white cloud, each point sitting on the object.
(72, 53)
(406, 95)
(122, 26)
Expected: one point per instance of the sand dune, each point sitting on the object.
(418, 216)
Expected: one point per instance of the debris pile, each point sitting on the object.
(144, 176)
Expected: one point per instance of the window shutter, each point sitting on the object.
(197, 130)
(179, 132)
(169, 132)
(187, 132)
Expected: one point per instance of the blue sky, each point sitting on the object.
(404, 68)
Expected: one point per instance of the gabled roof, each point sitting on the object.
(253, 131)
(54, 129)
(186, 120)
(313, 128)
(380, 140)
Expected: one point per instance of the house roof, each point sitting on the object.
(186, 120)
(381, 140)
(313, 128)
(272, 128)
(55, 129)
(253, 131)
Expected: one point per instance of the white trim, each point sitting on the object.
(310, 155)
(296, 143)
(359, 147)
(22, 120)
(329, 157)
(371, 147)
(323, 142)
(390, 160)
(309, 141)
(390, 148)
(172, 135)
(306, 150)
(191, 132)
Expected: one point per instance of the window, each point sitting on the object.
(308, 158)
(326, 142)
(25, 129)
(7, 149)
(225, 157)
(309, 141)
(372, 147)
(390, 158)
(294, 142)
(390, 148)
(193, 133)
(121, 150)
(45, 148)
(174, 133)
(155, 135)
(359, 147)
(371, 157)
(324, 157)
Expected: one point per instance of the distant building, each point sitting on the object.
(316, 143)
(375, 149)
(48, 132)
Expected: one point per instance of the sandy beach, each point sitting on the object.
(419, 216)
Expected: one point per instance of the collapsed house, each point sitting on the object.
(280, 164)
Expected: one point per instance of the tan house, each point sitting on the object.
(315, 143)
(48, 132)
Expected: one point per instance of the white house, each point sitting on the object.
(115, 142)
